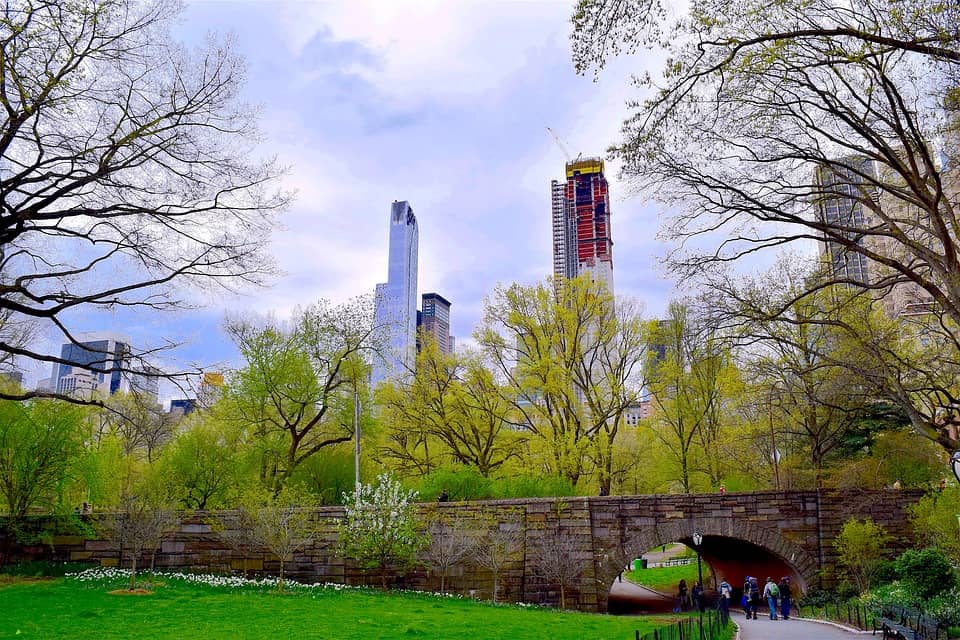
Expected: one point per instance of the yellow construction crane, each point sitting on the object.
(563, 147)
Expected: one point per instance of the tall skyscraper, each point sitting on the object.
(850, 198)
(105, 367)
(395, 301)
(434, 321)
(582, 238)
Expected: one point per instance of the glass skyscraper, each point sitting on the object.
(396, 300)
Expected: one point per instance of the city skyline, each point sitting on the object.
(346, 105)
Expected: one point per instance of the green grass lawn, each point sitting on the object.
(665, 579)
(67, 608)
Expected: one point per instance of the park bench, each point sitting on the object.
(902, 623)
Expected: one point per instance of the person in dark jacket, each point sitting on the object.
(697, 594)
(785, 597)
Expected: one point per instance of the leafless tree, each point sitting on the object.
(125, 168)
(139, 527)
(450, 545)
(559, 560)
(498, 545)
(278, 524)
(236, 528)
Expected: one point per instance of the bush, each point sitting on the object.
(926, 572)
(460, 483)
(529, 486)
(862, 549)
(946, 608)
(895, 594)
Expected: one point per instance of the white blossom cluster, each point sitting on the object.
(108, 575)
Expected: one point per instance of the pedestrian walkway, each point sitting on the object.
(766, 629)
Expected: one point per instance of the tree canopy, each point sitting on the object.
(772, 124)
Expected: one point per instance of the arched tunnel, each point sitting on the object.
(721, 558)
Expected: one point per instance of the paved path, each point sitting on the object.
(763, 628)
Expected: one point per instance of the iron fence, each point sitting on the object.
(714, 628)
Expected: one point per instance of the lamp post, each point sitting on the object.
(773, 438)
(697, 541)
(955, 465)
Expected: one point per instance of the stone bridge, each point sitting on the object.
(579, 544)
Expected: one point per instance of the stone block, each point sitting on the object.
(81, 555)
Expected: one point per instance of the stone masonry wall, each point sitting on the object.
(577, 544)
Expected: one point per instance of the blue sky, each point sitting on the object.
(442, 104)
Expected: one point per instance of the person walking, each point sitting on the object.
(723, 602)
(697, 593)
(771, 591)
(785, 597)
(751, 597)
(682, 594)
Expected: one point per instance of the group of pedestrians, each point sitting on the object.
(774, 594)
(777, 597)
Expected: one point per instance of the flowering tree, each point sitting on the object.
(380, 527)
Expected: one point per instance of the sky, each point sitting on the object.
(443, 104)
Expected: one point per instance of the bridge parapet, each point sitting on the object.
(753, 533)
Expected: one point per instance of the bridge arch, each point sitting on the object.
(731, 547)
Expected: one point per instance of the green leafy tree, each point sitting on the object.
(380, 528)
(862, 547)
(41, 446)
(451, 410)
(203, 465)
(686, 386)
(935, 521)
(571, 360)
(773, 124)
(295, 393)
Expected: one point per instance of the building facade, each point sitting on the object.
(847, 198)
(102, 364)
(434, 321)
(395, 301)
(580, 213)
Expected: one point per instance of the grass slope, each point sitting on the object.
(67, 608)
(666, 579)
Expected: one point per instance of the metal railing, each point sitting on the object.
(714, 628)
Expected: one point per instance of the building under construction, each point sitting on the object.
(582, 240)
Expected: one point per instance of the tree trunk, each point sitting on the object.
(496, 583)
(133, 571)
(280, 584)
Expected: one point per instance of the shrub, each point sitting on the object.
(895, 594)
(862, 547)
(460, 483)
(926, 572)
(945, 607)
